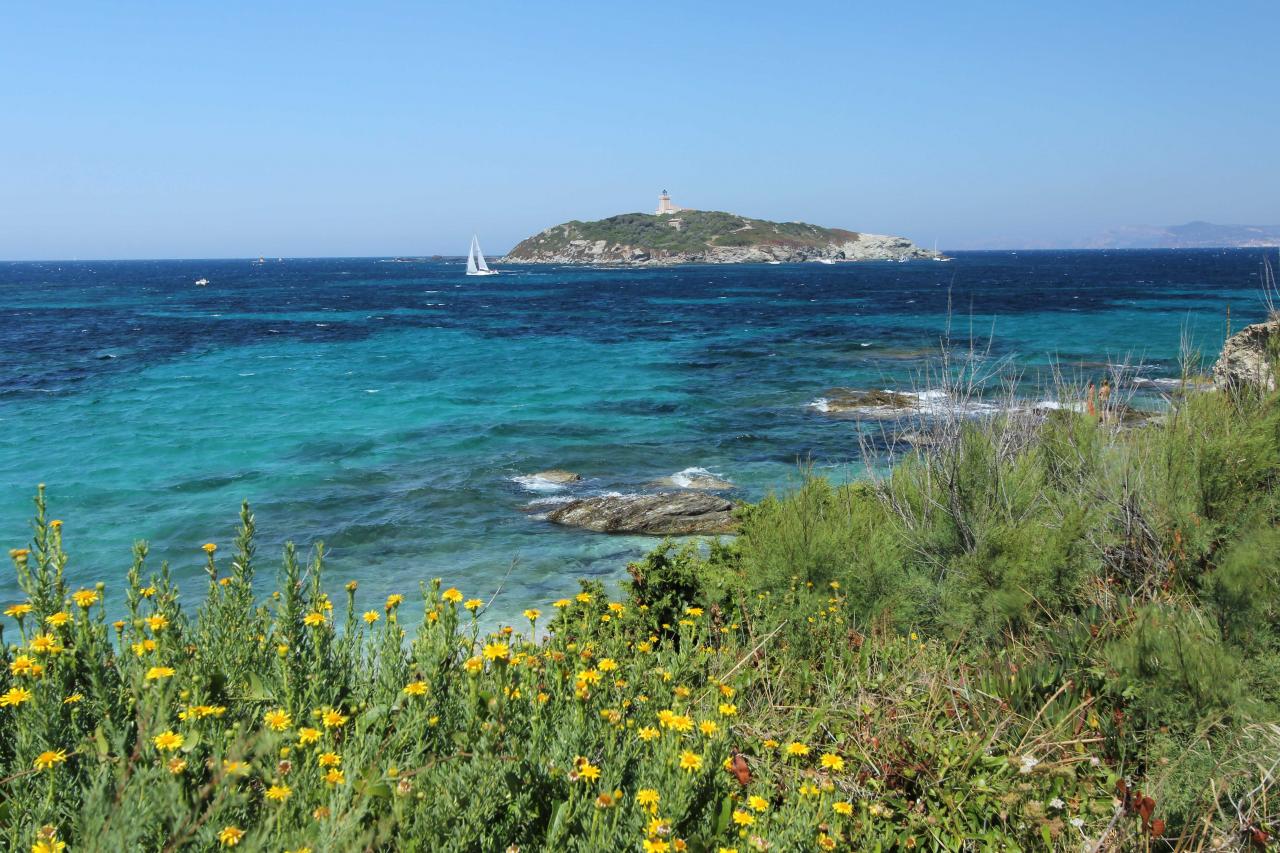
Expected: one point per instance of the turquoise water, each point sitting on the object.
(390, 408)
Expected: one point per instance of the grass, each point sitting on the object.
(1059, 634)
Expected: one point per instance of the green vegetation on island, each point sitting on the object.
(699, 235)
(1046, 633)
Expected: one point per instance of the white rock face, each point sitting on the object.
(1248, 357)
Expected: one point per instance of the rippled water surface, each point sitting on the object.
(391, 409)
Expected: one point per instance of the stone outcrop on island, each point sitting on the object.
(661, 514)
(704, 237)
(1248, 357)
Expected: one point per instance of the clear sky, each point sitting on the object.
(238, 129)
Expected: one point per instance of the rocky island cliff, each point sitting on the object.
(704, 237)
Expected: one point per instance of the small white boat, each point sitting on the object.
(774, 263)
(201, 282)
(825, 260)
(475, 260)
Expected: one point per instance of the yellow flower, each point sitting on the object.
(73, 698)
(826, 842)
(561, 603)
(416, 688)
(655, 845)
(16, 610)
(279, 793)
(473, 604)
(308, 735)
(85, 597)
(831, 761)
(45, 644)
(708, 727)
(648, 798)
(694, 611)
(797, 748)
(589, 771)
(728, 709)
(843, 808)
(335, 776)
(332, 719)
(157, 622)
(147, 591)
(648, 733)
(371, 616)
(607, 665)
(532, 614)
(313, 619)
(474, 664)
(496, 651)
(235, 768)
(58, 619)
(451, 595)
(167, 741)
(616, 607)
(47, 759)
(743, 818)
(158, 672)
(758, 804)
(14, 696)
(394, 600)
(176, 765)
(23, 665)
(230, 835)
(583, 597)
(690, 762)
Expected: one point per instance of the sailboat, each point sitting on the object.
(475, 260)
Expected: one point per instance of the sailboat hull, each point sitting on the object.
(482, 272)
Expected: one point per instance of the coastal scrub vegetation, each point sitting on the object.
(697, 230)
(1049, 633)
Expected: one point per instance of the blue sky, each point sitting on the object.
(309, 128)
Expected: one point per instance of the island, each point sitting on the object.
(677, 235)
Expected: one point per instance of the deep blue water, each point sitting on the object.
(387, 408)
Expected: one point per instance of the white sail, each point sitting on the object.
(471, 257)
(475, 260)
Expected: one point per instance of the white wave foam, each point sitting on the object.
(822, 404)
(686, 478)
(536, 483)
(552, 500)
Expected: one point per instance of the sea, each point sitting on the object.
(396, 410)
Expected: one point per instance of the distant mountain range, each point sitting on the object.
(1193, 235)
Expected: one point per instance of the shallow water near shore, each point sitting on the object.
(396, 410)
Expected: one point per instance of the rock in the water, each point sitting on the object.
(695, 478)
(1247, 358)
(662, 514)
(839, 401)
(555, 475)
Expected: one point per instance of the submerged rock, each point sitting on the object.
(662, 514)
(695, 478)
(555, 475)
(1247, 357)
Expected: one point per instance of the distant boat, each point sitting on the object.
(825, 260)
(201, 282)
(774, 263)
(475, 260)
(936, 256)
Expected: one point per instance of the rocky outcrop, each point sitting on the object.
(661, 514)
(846, 401)
(1248, 358)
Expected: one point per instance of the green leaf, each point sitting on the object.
(722, 822)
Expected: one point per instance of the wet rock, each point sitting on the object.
(839, 401)
(695, 478)
(555, 475)
(661, 514)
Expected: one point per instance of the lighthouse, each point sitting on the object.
(665, 206)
